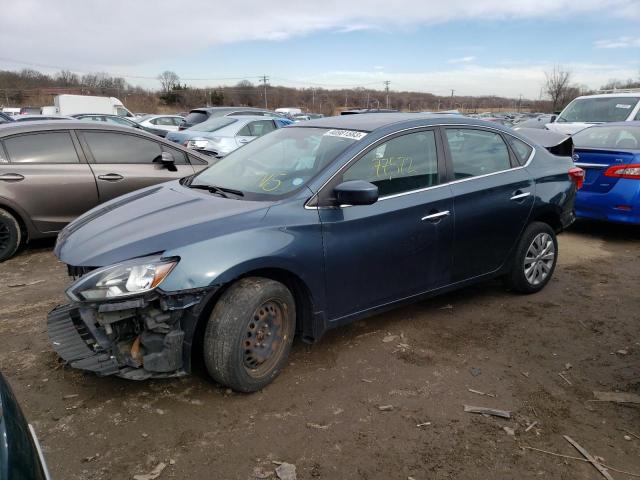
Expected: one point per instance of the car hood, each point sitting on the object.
(152, 220)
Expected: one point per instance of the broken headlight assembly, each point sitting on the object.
(125, 279)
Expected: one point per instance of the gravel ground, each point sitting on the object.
(324, 415)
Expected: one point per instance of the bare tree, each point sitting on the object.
(168, 80)
(557, 86)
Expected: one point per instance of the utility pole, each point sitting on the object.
(264, 79)
(313, 99)
(519, 102)
(452, 90)
(368, 93)
(386, 87)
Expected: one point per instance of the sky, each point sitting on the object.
(476, 47)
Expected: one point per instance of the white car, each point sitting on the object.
(168, 123)
(589, 110)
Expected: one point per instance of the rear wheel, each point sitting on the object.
(249, 334)
(10, 235)
(535, 259)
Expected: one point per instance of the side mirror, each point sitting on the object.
(167, 161)
(553, 118)
(356, 192)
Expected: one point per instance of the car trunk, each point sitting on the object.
(595, 163)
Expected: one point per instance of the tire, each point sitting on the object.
(535, 259)
(10, 235)
(249, 334)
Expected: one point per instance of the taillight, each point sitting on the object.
(631, 170)
(577, 176)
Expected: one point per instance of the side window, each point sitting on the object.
(405, 163)
(523, 150)
(178, 155)
(637, 115)
(261, 127)
(476, 152)
(245, 131)
(122, 112)
(50, 147)
(166, 121)
(118, 121)
(108, 147)
(177, 121)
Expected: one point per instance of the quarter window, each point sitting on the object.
(121, 148)
(476, 152)
(51, 147)
(257, 129)
(522, 150)
(405, 163)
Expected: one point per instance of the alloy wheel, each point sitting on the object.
(539, 259)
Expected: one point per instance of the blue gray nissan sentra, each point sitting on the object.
(305, 229)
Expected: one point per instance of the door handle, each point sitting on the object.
(111, 177)
(518, 195)
(243, 140)
(436, 216)
(11, 177)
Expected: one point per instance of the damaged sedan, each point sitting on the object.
(305, 229)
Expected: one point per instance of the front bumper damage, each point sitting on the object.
(136, 339)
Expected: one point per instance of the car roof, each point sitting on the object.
(610, 95)
(227, 109)
(368, 122)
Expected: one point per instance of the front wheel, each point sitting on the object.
(535, 259)
(249, 334)
(10, 235)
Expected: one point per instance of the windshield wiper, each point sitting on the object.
(222, 191)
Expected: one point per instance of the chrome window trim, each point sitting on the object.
(592, 165)
(420, 190)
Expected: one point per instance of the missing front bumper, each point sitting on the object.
(145, 342)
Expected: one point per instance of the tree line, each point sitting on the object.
(34, 88)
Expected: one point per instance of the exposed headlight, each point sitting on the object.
(197, 144)
(122, 279)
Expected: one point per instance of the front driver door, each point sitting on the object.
(399, 246)
(123, 162)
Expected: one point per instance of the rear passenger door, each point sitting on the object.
(493, 196)
(123, 162)
(46, 175)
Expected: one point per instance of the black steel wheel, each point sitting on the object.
(249, 334)
(10, 235)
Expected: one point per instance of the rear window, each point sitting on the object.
(620, 138)
(196, 116)
(50, 147)
(213, 124)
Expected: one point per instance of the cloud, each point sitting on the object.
(462, 59)
(100, 34)
(620, 42)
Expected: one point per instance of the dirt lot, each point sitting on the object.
(322, 414)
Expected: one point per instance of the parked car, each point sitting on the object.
(31, 118)
(199, 115)
(536, 122)
(222, 135)
(6, 118)
(20, 453)
(610, 156)
(165, 123)
(117, 120)
(30, 111)
(593, 109)
(51, 172)
(308, 228)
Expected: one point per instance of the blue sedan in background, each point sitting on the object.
(610, 155)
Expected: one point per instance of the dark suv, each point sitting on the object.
(199, 115)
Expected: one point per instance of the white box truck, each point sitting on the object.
(72, 104)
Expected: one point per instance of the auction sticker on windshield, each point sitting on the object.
(352, 134)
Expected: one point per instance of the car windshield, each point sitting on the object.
(213, 124)
(618, 138)
(598, 109)
(279, 162)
